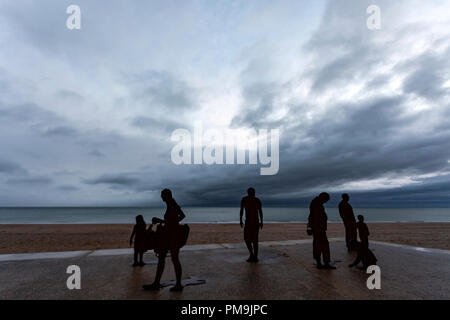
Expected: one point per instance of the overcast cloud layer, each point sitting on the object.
(86, 115)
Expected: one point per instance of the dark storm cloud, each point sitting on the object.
(364, 139)
(156, 125)
(366, 143)
(97, 153)
(162, 89)
(8, 167)
(259, 103)
(351, 141)
(69, 94)
(60, 131)
(68, 188)
(35, 181)
(25, 113)
(432, 194)
(114, 179)
(97, 112)
(428, 76)
(342, 70)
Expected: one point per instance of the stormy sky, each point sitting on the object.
(86, 116)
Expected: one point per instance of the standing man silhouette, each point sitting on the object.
(348, 217)
(253, 221)
(317, 220)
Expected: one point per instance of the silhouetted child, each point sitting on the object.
(363, 231)
(139, 234)
(365, 255)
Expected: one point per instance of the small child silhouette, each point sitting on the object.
(363, 231)
(139, 232)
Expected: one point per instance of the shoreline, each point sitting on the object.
(31, 238)
(207, 222)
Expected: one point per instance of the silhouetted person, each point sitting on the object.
(365, 255)
(169, 241)
(317, 220)
(363, 231)
(348, 217)
(253, 221)
(139, 233)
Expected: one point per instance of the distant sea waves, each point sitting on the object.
(73, 215)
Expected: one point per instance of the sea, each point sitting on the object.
(106, 215)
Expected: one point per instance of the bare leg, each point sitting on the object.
(250, 249)
(255, 250)
(156, 285)
(176, 266)
(135, 263)
(160, 268)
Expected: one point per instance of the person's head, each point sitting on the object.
(166, 195)
(251, 192)
(324, 197)
(345, 197)
(140, 219)
(360, 218)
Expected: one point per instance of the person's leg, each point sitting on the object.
(248, 243)
(255, 250)
(348, 237)
(178, 271)
(353, 236)
(135, 260)
(160, 268)
(316, 250)
(156, 285)
(326, 252)
(354, 233)
(141, 258)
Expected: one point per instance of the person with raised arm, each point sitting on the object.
(169, 240)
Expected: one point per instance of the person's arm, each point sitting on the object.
(310, 217)
(156, 220)
(260, 215)
(132, 235)
(241, 213)
(181, 215)
(341, 211)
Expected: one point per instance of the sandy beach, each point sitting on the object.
(26, 238)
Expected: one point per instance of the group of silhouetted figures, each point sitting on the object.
(170, 236)
(317, 227)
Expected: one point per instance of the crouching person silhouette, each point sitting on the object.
(363, 231)
(168, 241)
(365, 255)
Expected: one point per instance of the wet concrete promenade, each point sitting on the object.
(285, 271)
